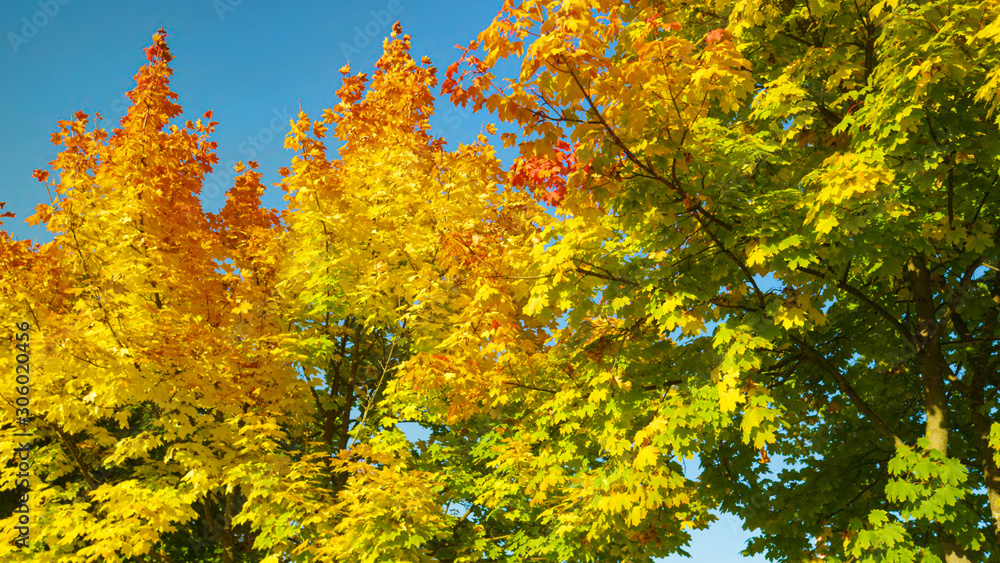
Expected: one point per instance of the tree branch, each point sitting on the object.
(845, 387)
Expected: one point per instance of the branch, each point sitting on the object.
(905, 332)
(739, 263)
(532, 387)
(74, 452)
(846, 388)
(606, 277)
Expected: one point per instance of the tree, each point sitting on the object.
(393, 250)
(735, 231)
(210, 386)
(783, 242)
(143, 357)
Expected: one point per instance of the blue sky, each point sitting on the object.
(253, 63)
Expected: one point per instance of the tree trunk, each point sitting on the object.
(930, 359)
(933, 371)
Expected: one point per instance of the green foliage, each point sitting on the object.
(796, 200)
(927, 491)
(736, 230)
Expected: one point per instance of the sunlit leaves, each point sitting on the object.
(782, 176)
(735, 231)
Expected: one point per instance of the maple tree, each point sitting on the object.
(735, 230)
(211, 386)
(145, 357)
(783, 243)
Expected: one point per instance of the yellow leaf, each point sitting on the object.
(647, 456)
(826, 224)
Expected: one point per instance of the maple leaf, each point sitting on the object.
(716, 35)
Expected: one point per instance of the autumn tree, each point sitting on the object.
(214, 386)
(146, 359)
(734, 231)
(400, 261)
(777, 237)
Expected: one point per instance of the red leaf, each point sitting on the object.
(715, 36)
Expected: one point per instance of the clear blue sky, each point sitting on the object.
(253, 63)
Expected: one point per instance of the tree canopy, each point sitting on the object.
(735, 231)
